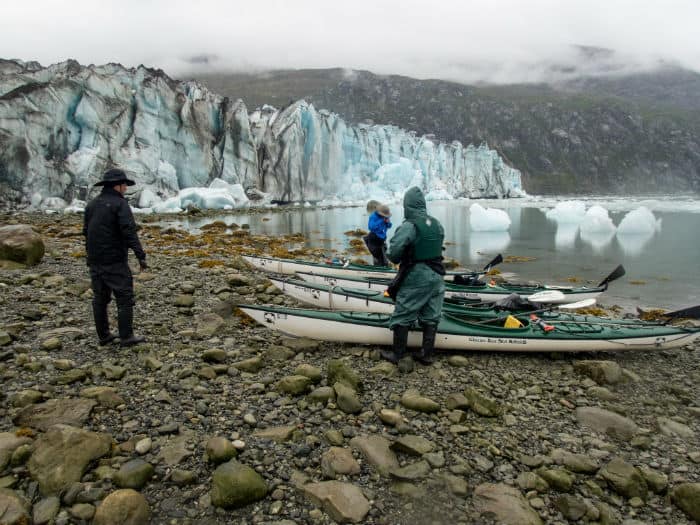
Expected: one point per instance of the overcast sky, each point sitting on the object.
(496, 40)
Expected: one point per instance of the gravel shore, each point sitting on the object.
(218, 420)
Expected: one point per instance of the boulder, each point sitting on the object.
(687, 497)
(14, 509)
(602, 420)
(62, 455)
(21, 244)
(506, 503)
(123, 507)
(236, 485)
(343, 502)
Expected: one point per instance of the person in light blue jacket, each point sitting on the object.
(378, 225)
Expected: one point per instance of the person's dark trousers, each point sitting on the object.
(108, 279)
(399, 347)
(426, 356)
(377, 247)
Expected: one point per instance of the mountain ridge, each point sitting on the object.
(630, 133)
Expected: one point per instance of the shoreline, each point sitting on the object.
(481, 423)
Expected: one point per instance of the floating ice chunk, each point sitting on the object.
(236, 191)
(53, 203)
(148, 199)
(206, 198)
(639, 221)
(77, 206)
(488, 219)
(597, 220)
(171, 205)
(569, 212)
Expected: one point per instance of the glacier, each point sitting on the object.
(61, 126)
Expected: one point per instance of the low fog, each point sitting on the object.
(497, 41)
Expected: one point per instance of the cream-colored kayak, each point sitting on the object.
(455, 333)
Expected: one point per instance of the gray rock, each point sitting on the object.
(347, 399)
(687, 497)
(321, 394)
(45, 510)
(235, 485)
(123, 507)
(413, 445)
(559, 479)
(413, 400)
(343, 502)
(340, 372)
(294, 385)
(73, 412)
(14, 509)
(574, 462)
(278, 434)
(21, 244)
(669, 427)
(62, 454)
(310, 371)
(625, 479)
(214, 355)
(481, 404)
(252, 365)
(412, 471)
(602, 420)
(220, 450)
(602, 372)
(208, 324)
(133, 474)
(376, 451)
(572, 507)
(656, 481)
(506, 503)
(338, 460)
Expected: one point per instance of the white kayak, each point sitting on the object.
(292, 266)
(346, 268)
(363, 300)
(485, 293)
(454, 333)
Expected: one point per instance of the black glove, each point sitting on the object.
(143, 265)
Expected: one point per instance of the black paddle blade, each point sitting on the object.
(692, 312)
(496, 260)
(616, 274)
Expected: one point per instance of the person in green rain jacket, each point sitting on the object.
(417, 245)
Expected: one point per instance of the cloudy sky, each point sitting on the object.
(494, 40)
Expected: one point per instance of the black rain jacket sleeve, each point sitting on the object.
(110, 229)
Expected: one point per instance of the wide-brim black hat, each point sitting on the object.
(113, 177)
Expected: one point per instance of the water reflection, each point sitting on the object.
(633, 243)
(565, 238)
(487, 243)
(598, 240)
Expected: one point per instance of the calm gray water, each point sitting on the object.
(662, 269)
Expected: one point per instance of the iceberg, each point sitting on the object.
(61, 126)
(488, 219)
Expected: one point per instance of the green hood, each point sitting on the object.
(414, 204)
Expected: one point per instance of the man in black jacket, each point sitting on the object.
(110, 230)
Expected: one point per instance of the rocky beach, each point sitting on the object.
(217, 420)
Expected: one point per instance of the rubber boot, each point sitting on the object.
(125, 317)
(399, 348)
(99, 312)
(426, 356)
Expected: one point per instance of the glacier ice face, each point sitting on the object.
(63, 125)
